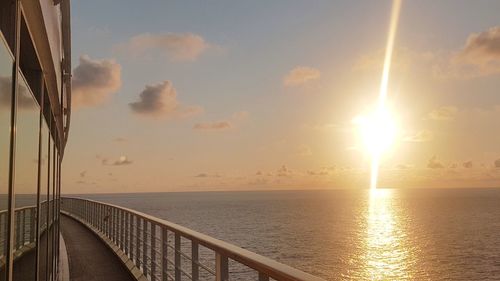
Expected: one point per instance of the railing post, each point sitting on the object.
(94, 214)
(115, 225)
(263, 277)
(194, 260)
(33, 216)
(137, 242)
(122, 232)
(177, 260)
(164, 254)
(112, 224)
(126, 226)
(144, 246)
(221, 267)
(153, 251)
(18, 225)
(101, 218)
(131, 231)
(108, 222)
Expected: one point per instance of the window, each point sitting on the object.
(5, 128)
(26, 182)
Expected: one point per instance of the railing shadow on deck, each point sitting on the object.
(161, 250)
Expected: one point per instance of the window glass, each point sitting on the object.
(26, 182)
(50, 194)
(5, 105)
(43, 198)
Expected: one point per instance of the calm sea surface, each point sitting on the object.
(418, 234)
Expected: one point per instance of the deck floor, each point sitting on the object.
(89, 258)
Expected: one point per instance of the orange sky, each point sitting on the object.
(200, 99)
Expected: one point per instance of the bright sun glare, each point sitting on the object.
(378, 129)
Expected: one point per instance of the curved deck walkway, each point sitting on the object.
(89, 258)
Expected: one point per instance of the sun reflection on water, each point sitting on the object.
(386, 252)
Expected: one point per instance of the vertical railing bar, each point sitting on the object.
(194, 260)
(33, 216)
(122, 235)
(115, 225)
(263, 277)
(108, 222)
(18, 236)
(126, 233)
(221, 267)
(112, 224)
(153, 250)
(137, 242)
(131, 227)
(144, 247)
(177, 256)
(164, 253)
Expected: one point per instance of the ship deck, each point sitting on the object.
(88, 257)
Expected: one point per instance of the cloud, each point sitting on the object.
(323, 171)
(94, 81)
(467, 164)
(480, 56)
(213, 126)
(206, 175)
(420, 136)
(283, 171)
(24, 98)
(301, 75)
(120, 140)
(223, 125)
(160, 101)
(123, 160)
(240, 116)
(404, 166)
(434, 163)
(304, 150)
(497, 163)
(176, 46)
(444, 113)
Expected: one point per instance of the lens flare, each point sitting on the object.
(382, 123)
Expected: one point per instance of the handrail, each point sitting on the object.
(119, 230)
(25, 227)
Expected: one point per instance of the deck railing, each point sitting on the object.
(24, 228)
(162, 250)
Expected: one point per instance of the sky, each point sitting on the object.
(261, 95)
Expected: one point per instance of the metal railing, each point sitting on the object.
(24, 228)
(162, 250)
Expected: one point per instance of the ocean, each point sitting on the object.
(391, 234)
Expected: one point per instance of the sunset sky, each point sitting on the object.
(244, 95)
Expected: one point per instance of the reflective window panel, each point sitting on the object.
(26, 182)
(5, 111)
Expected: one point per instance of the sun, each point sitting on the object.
(378, 133)
(377, 130)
